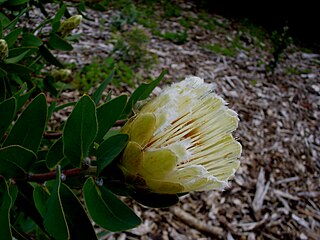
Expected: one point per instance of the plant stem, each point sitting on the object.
(42, 177)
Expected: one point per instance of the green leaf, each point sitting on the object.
(55, 154)
(60, 13)
(79, 224)
(16, 68)
(57, 18)
(4, 20)
(109, 149)
(54, 219)
(108, 114)
(30, 40)
(7, 111)
(55, 26)
(28, 129)
(107, 210)
(3, 73)
(11, 170)
(98, 7)
(1, 27)
(39, 166)
(25, 203)
(18, 155)
(5, 206)
(3, 89)
(141, 93)
(96, 96)
(22, 98)
(57, 43)
(13, 52)
(80, 130)
(49, 86)
(17, 58)
(40, 198)
(47, 55)
(13, 23)
(12, 37)
(22, 89)
(17, 2)
(13, 191)
(51, 108)
(155, 200)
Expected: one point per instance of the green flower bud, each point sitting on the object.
(181, 141)
(60, 75)
(3, 50)
(68, 25)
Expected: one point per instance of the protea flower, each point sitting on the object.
(181, 141)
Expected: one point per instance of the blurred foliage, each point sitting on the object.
(91, 75)
(217, 48)
(280, 40)
(132, 48)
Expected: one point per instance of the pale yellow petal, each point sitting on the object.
(132, 158)
(142, 128)
(164, 187)
(157, 164)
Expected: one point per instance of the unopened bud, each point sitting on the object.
(60, 75)
(68, 25)
(3, 50)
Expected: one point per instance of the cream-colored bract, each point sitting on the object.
(181, 141)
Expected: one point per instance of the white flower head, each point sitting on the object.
(181, 141)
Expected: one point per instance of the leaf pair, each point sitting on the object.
(65, 218)
(106, 209)
(63, 215)
(22, 142)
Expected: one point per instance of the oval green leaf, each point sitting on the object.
(30, 40)
(25, 203)
(96, 96)
(108, 114)
(16, 68)
(109, 149)
(57, 43)
(55, 154)
(7, 111)
(5, 205)
(18, 155)
(28, 129)
(80, 226)
(22, 98)
(54, 219)
(40, 198)
(47, 55)
(11, 170)
(3, 73)
(80, 130)
(17, 58)
(141, 93)
(12, 37)
(107, 210)
(17, 2)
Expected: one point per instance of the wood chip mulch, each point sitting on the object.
(276, 192)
